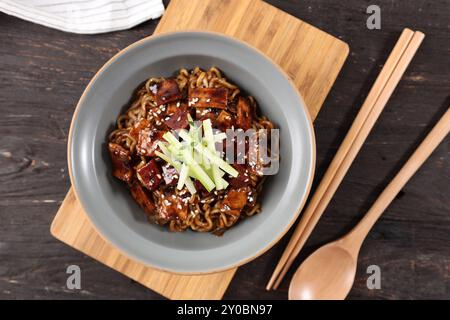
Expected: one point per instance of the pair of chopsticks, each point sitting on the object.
(371, 109)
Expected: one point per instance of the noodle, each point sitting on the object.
(178, 209)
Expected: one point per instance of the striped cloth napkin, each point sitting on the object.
(84, 16)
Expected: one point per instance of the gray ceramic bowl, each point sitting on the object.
(107, 201)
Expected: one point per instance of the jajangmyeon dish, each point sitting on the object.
(169, 148)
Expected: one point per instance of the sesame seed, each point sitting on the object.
(154, 88)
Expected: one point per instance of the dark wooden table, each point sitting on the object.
(43, 73)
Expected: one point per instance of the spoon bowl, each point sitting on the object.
(330, 271)
(337, 268)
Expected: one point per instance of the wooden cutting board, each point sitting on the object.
(311, 57)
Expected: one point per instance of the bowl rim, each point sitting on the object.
(302, 105)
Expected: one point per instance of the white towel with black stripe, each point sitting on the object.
(84, 16)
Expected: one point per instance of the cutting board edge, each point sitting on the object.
(340, 58)
(58, 235)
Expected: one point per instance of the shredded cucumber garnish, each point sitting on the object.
(183, 176)
(196, 157)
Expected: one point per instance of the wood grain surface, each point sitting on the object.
(72, 226)
(314, 80)
(43, 73)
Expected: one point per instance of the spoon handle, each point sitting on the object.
(437, 134)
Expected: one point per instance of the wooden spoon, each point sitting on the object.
(330, 271)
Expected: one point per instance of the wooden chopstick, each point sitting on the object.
(377, 98)
(415, 161)
(355, 147)
(367, 106)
